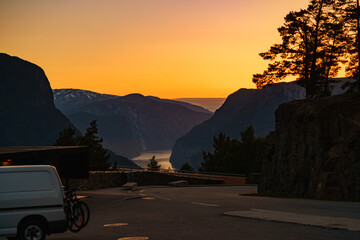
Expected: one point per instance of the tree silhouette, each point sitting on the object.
(98, 156)
(153, 164)
(187, 168)
(351, 10)
(234, 156)
(66, 137)
(312, 48)
(225, 153)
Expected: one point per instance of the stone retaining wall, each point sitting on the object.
(106, 179)
(98, 180)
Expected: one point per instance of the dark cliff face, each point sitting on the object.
(241, 109)
(23, 84)
(315, 150)
(27, 112)
(132, 124)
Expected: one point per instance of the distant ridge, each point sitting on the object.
(211, 104)
(69, 99)
(130, 124)
(190, 105)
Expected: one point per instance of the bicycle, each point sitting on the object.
(77, 212)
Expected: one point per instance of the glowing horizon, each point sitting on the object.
(164, 48)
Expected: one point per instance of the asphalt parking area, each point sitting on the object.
(194, 213)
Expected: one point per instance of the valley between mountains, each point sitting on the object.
(33, 114)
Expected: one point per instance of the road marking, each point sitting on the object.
(148, 198)
(351, 224)
(116, 225)
(168, 199)
(82, 197)
(205, 204)
(260, 210)
(133, 238)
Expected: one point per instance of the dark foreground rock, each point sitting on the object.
(315, 150)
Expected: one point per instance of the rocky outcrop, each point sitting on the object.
(315, 150)
(27, 112)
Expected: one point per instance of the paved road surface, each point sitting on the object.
(197, 213)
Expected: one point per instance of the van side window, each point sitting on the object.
(25, 181)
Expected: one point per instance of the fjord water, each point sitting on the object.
(162, 157)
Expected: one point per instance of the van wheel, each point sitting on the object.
(32, 229)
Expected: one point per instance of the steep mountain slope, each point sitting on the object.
(241, 109)
(27, 112)
(132, 124)
(121, 161)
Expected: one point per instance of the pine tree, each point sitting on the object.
(251, 151)
(98, 156)
(153, 164)
(351, 10)
(234, 156)
(187, 168)
(66, 137)
(222, 158)
(312, 48)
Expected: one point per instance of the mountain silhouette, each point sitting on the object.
(211, 104)
(130, 124)
(28, 115)
(243, 108)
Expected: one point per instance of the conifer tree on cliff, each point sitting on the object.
(312, 48)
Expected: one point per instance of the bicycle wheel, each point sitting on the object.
(72, 227)
(76, 218)
(84, 207)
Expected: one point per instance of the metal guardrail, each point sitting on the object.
(181, 171)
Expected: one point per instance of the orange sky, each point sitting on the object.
(164, 48)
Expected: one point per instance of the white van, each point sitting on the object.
(31, 202)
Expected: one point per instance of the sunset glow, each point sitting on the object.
(164, 48)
